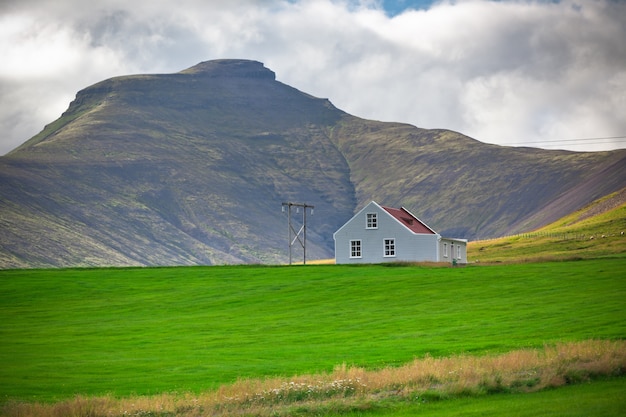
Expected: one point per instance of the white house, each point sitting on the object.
(383, 234)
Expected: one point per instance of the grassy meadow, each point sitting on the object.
(148, 331)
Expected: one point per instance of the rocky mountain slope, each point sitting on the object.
(192, 168)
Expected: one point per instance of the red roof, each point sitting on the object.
(409, 221)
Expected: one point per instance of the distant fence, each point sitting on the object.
(559, 236)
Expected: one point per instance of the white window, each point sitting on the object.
(458, 251)
(355, 248)
(372, 221)
(445, 250)
(390, 247)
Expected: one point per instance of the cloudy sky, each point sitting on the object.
(539, 73)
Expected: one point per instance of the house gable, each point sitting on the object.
(372, 207)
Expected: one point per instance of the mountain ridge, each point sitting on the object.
(192, 167)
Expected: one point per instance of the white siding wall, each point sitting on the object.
(408, 246)
(449, 250)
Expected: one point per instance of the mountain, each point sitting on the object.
(192, 168)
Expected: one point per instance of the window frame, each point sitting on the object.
(389, 247)
(445, 249)
(356, 249)
(371, 220)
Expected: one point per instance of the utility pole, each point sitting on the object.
(300, 235)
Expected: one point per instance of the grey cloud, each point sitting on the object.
(502, 72)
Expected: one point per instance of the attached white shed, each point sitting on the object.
(378, 234)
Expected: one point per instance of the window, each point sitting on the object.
(445, 250)
(458, 251)
(390, 247)
(355, 248)
(372, 221)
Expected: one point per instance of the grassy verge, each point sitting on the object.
(347, 389)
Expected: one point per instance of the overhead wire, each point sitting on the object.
(578, 141)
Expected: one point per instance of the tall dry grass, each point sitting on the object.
(349, 387)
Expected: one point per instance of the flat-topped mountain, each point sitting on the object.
(192, 168)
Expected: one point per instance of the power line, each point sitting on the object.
(580, 139)
(586, 140)
(582, 144)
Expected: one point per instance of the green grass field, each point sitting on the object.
(604, 398)
(601, 398)
(152, 330)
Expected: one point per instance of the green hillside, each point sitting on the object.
(597, 230)
(191, 169)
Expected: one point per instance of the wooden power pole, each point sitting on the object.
(300, 235)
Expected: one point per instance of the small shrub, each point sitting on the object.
(526, 383)
(494, 386)
(576, 376)
(432, 396)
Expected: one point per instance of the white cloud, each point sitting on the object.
(507, 72)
